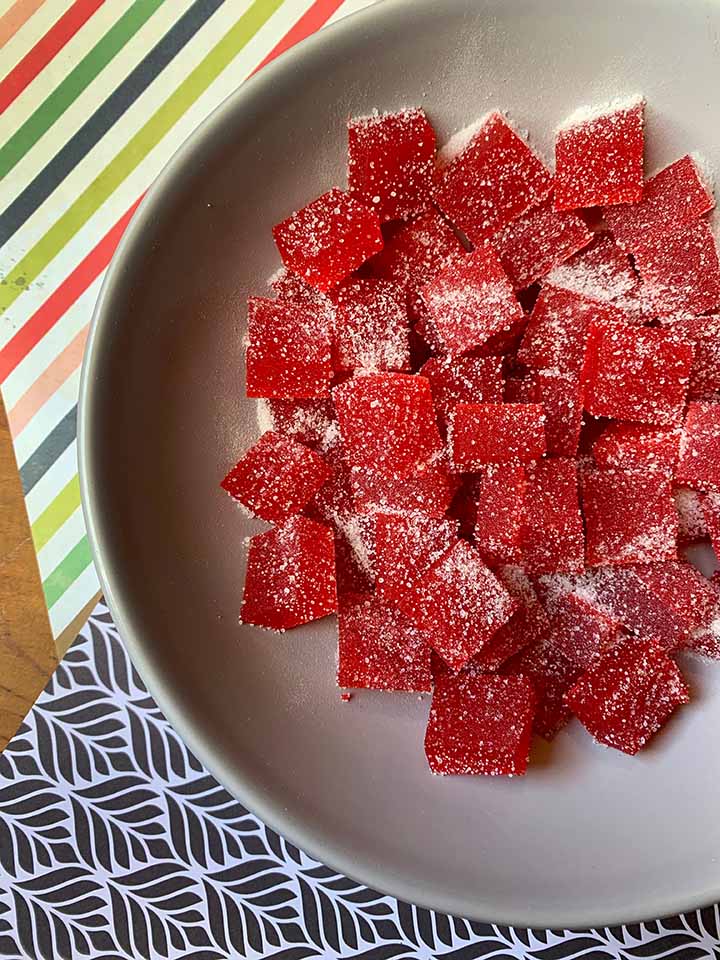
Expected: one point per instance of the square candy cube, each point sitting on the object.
(480, 723)
(481, 433)
(699, 461)
(429, 490)
(601, 272)
(638, 374)
(629, 695)
(289, 351)
(311, 422)
(529, 624)
(406, 547)
(490, 179)
(683, 589)
(629, 516)
(538, 240)
(459, 603)
(372, 326)
(630, 446)
(387, 422)
(561, 397)
(622, 593)
(704, 335)
(579, 631)
(552, 675)
(500, 513)
(328, 239)
(456, 380)
(290, 577)
(391, 162)
(675, 197)
(680, 269)
(553, 539)
(379, 648)
(276, 477)
(599, 156)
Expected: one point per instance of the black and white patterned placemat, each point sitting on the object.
(116, 843)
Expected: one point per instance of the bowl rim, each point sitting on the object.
(168, 697)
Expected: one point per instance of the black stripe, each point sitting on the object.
(52, 447)
(106, 115)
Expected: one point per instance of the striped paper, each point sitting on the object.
(95, 97)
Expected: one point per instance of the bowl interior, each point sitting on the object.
(589, 836)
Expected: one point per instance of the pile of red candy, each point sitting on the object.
(495, 405)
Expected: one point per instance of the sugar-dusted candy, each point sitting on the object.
(276, 477)
(622, 593)
(699, 460)
(628, 696)
(290, 576)
(470, 300)
(677, 196)
(631, 446)
(500, 512)
(561, 397)
(538, 240)
(492, 180)
(406, 547)
(379, 648)
(428, 490)
(639, 374)
(387, 422)
(328, 239)
(680, 269)
(456, 380)
(579, 631)
(391, 162)
(289, 350)
(553, 537)
(480, 724)
(599, 156)
(629, 516)
(705, 639)
(552, 675)
(692, 524)
(312, 422)
(704, 335)
(482, 433)
(601, 272)
(682, 588)
(529, 624)
(372, 326)
(711, 513)
(459, 603)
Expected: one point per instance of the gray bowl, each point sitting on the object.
(590, 836)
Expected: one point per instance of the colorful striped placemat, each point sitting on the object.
(96, 96)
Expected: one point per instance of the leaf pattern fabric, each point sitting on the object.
(115, 843)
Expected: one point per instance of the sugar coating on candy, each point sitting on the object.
(680, 269)
(406, 547)
(704, 335)
(601, 272)
(699, 460)
(290, 576)
(429, 490)
(551, 674)
(676, 196)
(711, 513)
(379, 648)
(500, 513)
(391, 162)
(538, 240)
(459, 603)
(289, 350)
(311, 422)
(599, 156)
(579, 631)
(470, 300)
(480, 724)
(629, 695)
(692, 525)
(372, 326)
(387, 422)
(529, 624)
(289, 287)
(553, 538)
(631, 445)
(276, 477)
(456, 380)
(492, 180)
(481, 433)
(705, 639)
(638, 374)
(328, 239)
(682, 588)
(629, 516)
(561, 397)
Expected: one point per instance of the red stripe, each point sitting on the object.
(313, 18)
(45, 49)
(72, 287)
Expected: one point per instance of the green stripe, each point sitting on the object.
(55, 515)
(67, 572)
(132, 154)
(80, 77)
